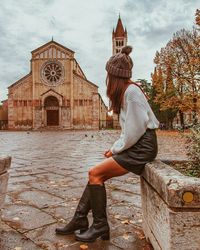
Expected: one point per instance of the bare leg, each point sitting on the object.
(105, 170)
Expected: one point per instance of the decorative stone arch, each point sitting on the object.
(51, 108)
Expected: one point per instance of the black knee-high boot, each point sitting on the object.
(79, 220)
(100, 227)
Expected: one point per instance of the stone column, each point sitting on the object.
(4, 166)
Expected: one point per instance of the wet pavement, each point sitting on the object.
(47, 177)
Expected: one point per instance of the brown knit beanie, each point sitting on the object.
(121, 64)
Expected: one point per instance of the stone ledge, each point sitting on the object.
(170, 208)
(5, 162)
(171, 185)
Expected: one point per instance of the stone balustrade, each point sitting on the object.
(4, 166)
(170, 207)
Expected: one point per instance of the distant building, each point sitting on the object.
(56, 93)
(188, 119)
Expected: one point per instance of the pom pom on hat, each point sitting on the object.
(127, 49)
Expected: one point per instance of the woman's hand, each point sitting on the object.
(108, 154)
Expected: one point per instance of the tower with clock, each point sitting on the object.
(55, 93)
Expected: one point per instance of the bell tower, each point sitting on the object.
(119, 37)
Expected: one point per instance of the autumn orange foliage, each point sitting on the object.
(176, 78)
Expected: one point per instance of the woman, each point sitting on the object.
(136, 146)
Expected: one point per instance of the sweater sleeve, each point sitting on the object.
(135, 126)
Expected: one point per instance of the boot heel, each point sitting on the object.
(83, 230)
(105, 236)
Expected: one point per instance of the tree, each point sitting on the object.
(162, 93)
(176, 78)
(145, 85)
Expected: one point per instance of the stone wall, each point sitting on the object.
(4, 166)
(170, 207)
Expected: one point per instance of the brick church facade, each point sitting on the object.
(56, 93)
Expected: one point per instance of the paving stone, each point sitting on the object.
(79, 176)
(24, 217)
(126, 197)
(64, 191)
(62, 171)
(62, 211)
(54, 177)
(45, 237)
(124, 212)
(97, 245)
(13, 186)
(79, 183)
(37, 198)
(127, 187)
(27, 171)
(129, 237)
(22, 178)
(10, 239)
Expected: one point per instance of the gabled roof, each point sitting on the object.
(21, 79)
(49, 90)
(52, 42)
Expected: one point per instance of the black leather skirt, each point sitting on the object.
(145, 150)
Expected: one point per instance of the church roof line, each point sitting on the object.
(102, 100)
(85, 79)
(80, 68)
(18, 81)
(52, 42)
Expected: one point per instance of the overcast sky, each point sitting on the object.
(86, 27)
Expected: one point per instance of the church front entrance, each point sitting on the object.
(52, 117)
(51, 106)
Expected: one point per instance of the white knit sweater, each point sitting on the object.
(135, 117)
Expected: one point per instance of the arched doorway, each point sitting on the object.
(51, 105)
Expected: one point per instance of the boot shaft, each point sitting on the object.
(83, 206)
(98, 202)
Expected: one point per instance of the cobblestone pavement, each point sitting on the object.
(47, 176)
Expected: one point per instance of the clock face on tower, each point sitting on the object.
(52, 73)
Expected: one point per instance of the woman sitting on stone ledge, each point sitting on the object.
(136, 146)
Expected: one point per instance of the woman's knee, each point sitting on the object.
(94, 175)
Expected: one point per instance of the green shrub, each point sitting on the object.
(193, 146)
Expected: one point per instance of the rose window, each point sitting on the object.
(52, 73)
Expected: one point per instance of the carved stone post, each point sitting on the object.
(5, 162)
